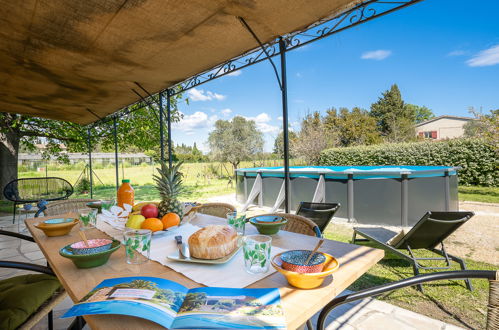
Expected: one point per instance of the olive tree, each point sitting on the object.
(235, 140)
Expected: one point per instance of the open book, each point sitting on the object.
(174, 306)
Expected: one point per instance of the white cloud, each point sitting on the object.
(377, 55)
(267, 128)
(486, 57)
(195, 94)
(262, 124)
(279, 118)
(226, 112)
(457, 53)
(198, 120)
(235, 73)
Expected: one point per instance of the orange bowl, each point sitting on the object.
(307, 280)
(59, 229)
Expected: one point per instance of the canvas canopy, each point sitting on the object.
(65, 59)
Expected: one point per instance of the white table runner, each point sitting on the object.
(231, 274)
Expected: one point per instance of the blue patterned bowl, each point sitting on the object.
(294, 261)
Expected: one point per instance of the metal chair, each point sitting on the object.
(55, 294)
(429, 232)
(32, 190)
(320, 213)
(491, 275)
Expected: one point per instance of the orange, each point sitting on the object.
(153, 224)
(170, 219)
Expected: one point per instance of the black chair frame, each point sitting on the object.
(28, 266)
(78, 322)
(415, 261)
(416, 266)
(18, 200)
(331, 208)
(491, 275)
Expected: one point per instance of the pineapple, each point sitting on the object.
(169, 185)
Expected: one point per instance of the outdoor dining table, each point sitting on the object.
(299, 305)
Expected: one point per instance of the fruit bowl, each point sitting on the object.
(57, 227)
(89, 260)
(268, 224)
(306, 280)
(294, 260)
(94, 246)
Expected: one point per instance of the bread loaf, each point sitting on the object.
(213, 242)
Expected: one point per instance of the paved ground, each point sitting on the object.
(366, 314)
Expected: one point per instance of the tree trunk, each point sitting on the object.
(9, 150)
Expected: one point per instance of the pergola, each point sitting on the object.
(88, 61)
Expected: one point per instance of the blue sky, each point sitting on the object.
(443, 54)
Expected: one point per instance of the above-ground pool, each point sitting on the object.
(385, 195)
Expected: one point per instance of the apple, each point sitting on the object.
(149, 211)
(135, 221)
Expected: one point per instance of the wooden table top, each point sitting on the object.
(299, 305)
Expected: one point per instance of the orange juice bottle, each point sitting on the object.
(126, 194)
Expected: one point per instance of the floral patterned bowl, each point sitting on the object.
(94, 246)
(89, 260)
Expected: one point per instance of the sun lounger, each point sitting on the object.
(428, 233)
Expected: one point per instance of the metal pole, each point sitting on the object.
(447, 190)
(350, 198)
(169, 119)
(89, 144)
(284, 92)
(405, 200)
(116, 162)
(161, 128)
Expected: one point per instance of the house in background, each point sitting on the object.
(442, 127)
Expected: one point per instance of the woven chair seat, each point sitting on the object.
(215, 209)
(67, 206)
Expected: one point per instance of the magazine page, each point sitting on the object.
(150, 298)
(224, 308)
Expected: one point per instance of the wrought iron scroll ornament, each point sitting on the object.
(359, 14)
(363, 12)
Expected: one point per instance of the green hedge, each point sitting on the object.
(478, 159)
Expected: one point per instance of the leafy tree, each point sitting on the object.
(312, 138)
(421, 113)
(193, 300)
(484, 126)
(139, 284)
(356, 127)
(234, 141)
(188, 154)
(279, 144)
(394, 120)
(139, 130)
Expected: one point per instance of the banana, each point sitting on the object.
(138, 206)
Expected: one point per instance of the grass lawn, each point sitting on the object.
(448, 301)
(479, 194)
(196, 192)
